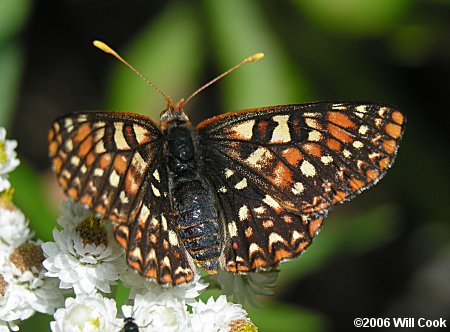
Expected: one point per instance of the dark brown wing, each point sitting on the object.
(298, 160)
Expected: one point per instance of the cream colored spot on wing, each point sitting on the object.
(256, 156)
(119, 139)
(296, 235)
(314, 136)
(298, 188)
(358, 144)
(145, 212)
(245, 129)
(228, 172)
(361, 108)
(100, 146)
(271, 202)
(241, 184)
(223, 189)
(83, 169)
(138, 162)
(346, 153)
(75, 161)
(243, 213)
(114, 179)
(338, 107)
(232, 229)
(253, 248)
(312, 123)
(363, 129)
(69, 145)
(281, 132)
(155, 190)
(307, 168)
(173, 238)
(164, 222)
(382, 110)
(98, 171)
(156, 175)
(312, 114)
(275, 237)
(68, 122)
(141, 133)
(326, 159)
(260, 210)
(123, 197)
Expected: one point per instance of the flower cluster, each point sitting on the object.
(86, 264)
(85, 258)
(24, 288)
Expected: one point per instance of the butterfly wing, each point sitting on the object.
(113, 163)
(295, 161)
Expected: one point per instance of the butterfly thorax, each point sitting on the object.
(195, 213)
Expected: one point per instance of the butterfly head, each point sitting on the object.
(173, 114)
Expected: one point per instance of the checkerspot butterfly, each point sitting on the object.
(242, 191)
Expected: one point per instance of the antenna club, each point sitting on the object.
(255, 57)
(102, 46)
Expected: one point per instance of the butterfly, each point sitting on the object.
(241, 191)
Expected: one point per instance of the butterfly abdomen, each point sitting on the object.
(196, 216)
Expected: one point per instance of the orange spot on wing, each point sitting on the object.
(397, 117)
(105, 160)
(313, 149)
(372, 174)
(131, 184)
(121, 164)
(57, 163)
(340, 195)
(150, 273)
(83, 131)
(281, 176)
(73, 193)
(51, 134)
(259, 262)
(302, 246)
(85, 147)
(389, 146)
(314, 225)
(86, 199)
(384, 163)
(333, 144)
(52, 148)
(393, 130)
(341, 119)
(281, 254)
(292, 156)
(356, 183)
(90, 158)
(339, 133)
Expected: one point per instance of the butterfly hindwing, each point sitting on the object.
(152, 245)
(289, 165)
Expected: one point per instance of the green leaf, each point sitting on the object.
(13, 15)
(351, 237)
(240, 29)
(11, 63)
(30, 197)
(277, 317)
(169, 51)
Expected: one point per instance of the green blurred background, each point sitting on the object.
(385, 254)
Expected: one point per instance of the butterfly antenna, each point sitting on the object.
(252, 58)
(105, 48)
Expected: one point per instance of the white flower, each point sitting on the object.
(30, 289)
(87, 313)
(215, 316)
(139, 285)
(85, 257)
(162, 313)
(72, 214)
(245, 287)
(8, 160)
(14, 230)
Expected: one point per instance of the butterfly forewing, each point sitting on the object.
(101, 159)
(309, 156)
(289, 164)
